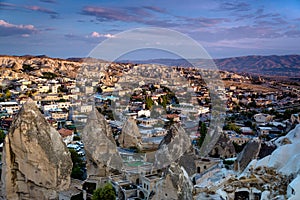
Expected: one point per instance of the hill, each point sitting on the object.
(279, 66)
(286, 65)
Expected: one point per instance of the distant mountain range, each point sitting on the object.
(287, 65)
(283, 66)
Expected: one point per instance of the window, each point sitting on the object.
(198, 170)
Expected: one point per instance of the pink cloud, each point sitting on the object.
(7, 29)
(40, 9)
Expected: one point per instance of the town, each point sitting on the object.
(137, 126)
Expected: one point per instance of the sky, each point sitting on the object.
(224, 28)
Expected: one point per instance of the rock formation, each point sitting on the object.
(176, 185)
(270, 176)
(172, 147)
(250, 152)
(102, 155)
(36, 162)
(224, 148)
(266, 149)
(130, 136)
(286, 158)
(187, 161)
(16, 65)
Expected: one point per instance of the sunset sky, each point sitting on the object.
(73, 28)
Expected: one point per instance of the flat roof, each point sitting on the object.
(8, 103)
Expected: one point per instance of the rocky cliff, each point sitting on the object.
(250, 152)
(102, 155)
(36, 162)
(175, 185)
(172, 147)
(22, 66)
(130, 136)
(223, 148)
(286, 158)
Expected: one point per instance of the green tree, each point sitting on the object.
(78, 164)
(105, 193)
(163, 101)
(232, 127)
(203, 131)
(7, 94)
(2, 136)
(149, 103)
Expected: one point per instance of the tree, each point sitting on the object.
(7, 94)
(163, 101)
(232, 127)
(203, 131)
(2, 136)
(105, 193)
(149, 103)
(78, 164)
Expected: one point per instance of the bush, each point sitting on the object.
(78, 165)
(2, 136)
(105, 193)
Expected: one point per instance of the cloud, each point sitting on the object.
(292, 33)
(109, 14)
(41, 9)
(8, 6)
(155, 9)
(8, 29)
(25, 35)
(48, 1)
(147, 15)
(206, 22)
(237, 7)
(129, 14)
(93, 37)
(98, 35)
(53, 14)
(95, 34)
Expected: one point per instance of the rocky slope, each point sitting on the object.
(175, 185)
(36, 162)
(102, 155)
(269, 176)
(130, 136)
(250, 152)
(23, 66)
(174, 145)
(223, 148)
(286, 158)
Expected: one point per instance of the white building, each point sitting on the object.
(10, 107)
(264, 130)
(146, 113)
(54, 88)
(43, 88)
(88, 90)
(263, 118)
(86, 108)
